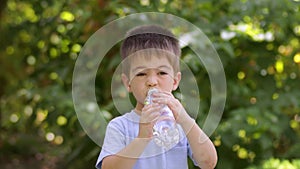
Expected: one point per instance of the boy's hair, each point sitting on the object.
(150, 37)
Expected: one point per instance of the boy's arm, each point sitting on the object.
(127, 157)
(204, 152)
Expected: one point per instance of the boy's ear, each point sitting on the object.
(177, 79)
(125, 81)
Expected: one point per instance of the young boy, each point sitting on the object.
(151, 60)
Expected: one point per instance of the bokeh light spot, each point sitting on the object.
(14, 118)
(67, 16)
(50, 136)
(297, 58)
(61, 120)
(241, 75)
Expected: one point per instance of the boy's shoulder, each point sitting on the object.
(129, 117)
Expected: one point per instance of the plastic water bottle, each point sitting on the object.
(165, 130)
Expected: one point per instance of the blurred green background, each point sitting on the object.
(257, 41)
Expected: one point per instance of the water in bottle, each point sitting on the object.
(165, 130)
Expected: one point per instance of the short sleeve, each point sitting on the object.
(114, 142)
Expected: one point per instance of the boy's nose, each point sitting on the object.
(152, 81)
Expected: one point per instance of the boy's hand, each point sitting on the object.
(167, 98)
(149, 116)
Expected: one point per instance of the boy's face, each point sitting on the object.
(146, 73)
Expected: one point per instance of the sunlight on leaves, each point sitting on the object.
(241, 75)
(252, 121)
(49, 136)
(297, 58)
(61, 120)
(242, 153)
(279, 66)
(58, 140)
(41, 115)
(67, 16)
(14, 118)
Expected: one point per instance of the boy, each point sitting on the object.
(151, 60)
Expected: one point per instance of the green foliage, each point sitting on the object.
(257, 41)
(278, 164)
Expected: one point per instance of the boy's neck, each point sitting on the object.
(138, 109)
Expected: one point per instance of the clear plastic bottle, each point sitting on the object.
(165, 130)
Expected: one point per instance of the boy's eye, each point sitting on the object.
(141, 74)
(162, 73)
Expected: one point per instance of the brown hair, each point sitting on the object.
(150, 37)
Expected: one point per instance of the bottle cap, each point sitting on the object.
(148, 99)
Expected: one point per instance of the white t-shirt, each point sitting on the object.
(123, 129)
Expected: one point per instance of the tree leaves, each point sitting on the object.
(257, 41)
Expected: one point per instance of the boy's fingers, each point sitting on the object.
(165, 100)
(151, 108)
(162, 95)
(150, 113)
(173, 103)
